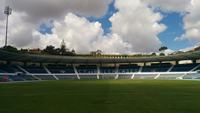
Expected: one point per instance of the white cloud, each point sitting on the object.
(81, 35)
(130, 33)
(137, 25)
(2, 5)
(20, 32)
(134, 28)
(188, 48)
(28, 14)
(2, 23)
(169, 5)
(192, 22)
(166, 52)
(78, 32)
(41, 9)
(113, 44)
(191, 19)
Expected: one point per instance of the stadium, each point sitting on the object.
(50, 67)
(112, 58)
(78, 84)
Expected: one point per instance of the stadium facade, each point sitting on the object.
(31, 67)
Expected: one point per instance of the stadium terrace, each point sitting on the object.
(31, 67)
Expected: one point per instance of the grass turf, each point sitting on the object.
(121, 96)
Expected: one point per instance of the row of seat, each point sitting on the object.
(95, 77)
(103, 69)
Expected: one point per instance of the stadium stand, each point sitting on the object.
(92, 68)
(125, 76)
(107, 69)
(128, 68)
(87, 72)
(157, 68)
(45, 77)
(28, 77)
(88, 76)
(15, 78)
(187, 76)
(183, 67)
(34, 69)
(193, 76)
(67, 77)
(145, 76)
(87, 69)
(170, 76)
(4, 78)
(53, 68)
(2, 71)
(107, 76)
(9, 69)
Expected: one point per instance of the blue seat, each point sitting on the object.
(183, 67)
(128, 68)
(157, 68)
(107, 69)
(60, 69)
(87, 69)
(34, 69)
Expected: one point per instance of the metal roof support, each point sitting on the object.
(7, 62)
(25, 63)
(145, 64)
(177, 62)
(194, 61)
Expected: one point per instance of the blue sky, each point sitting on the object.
(106, 24)
(173, 21)
(138, 26)
(175, 28)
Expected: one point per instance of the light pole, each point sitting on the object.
(7, 12)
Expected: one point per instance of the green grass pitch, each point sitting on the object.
(111, 96)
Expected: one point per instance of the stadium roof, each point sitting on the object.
(21, 57)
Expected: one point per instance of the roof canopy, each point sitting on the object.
(20, 57)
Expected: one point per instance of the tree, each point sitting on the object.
(50, 50)
(99, 52)
(10, 49)
(163, 48)
(197, 49)
(153, 54)
(162, 54)
(63, 48)
(73, 51)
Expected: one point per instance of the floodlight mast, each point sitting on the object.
(7, 12)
